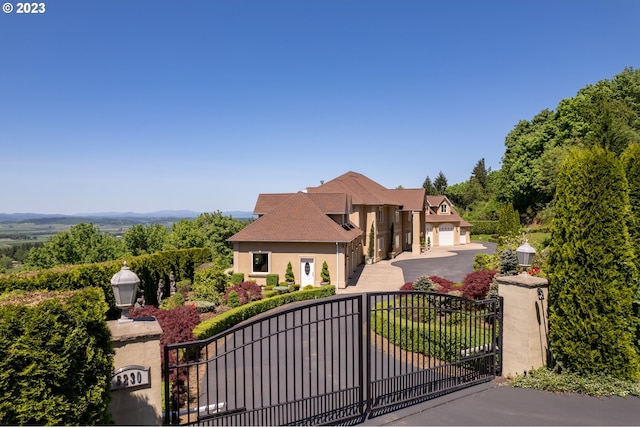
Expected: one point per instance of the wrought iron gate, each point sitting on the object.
(334, 360)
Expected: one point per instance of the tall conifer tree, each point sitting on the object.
(591, 269)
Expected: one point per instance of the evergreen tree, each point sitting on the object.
(440, 184)
(508, 221)
(480, 174)
(631, 163)
(428, 186)
(590, 268)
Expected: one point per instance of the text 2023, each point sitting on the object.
(30, 8)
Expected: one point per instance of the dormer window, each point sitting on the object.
(444, 208)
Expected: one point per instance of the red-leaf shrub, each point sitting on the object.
(476, 284)
(444, 285)
(247, 292)
(407, 286)
(177, 326)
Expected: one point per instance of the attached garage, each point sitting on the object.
(445, 232)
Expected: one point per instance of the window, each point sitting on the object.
(397, 241)
(408, 238)
(380, 243)
(397, 215)
(444, 208)
(380, 215)
(260, 263)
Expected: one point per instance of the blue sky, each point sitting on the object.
(144, 105)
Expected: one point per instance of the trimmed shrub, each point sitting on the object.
(424, 284)
(273, 279)
(485, 227)
(246, 291)
(288, 275)
(324, 273)
(590, 268)
(237, 278)
(56, 358)
(476, 285)
(210, 282)
(508, 262)
(233, 299)
(485, 262)
(269, 294)
(294, 288)
(177, 300)
(203, 306)
(184, 287)
(228, 319)
(149, 268)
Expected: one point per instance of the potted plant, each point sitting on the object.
(324, 274)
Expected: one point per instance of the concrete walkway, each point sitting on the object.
(384, 276)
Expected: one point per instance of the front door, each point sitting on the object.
(306, 272)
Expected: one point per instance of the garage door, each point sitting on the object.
(446, 234)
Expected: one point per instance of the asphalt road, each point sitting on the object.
(453, 268)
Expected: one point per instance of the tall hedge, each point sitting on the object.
(149, 268)
(56, 358)
(591, 272)
(631, 163)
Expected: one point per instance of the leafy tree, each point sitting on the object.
(590, 268)
(210, 282)
(207, 230)
(428, 186)
(140, 239)
(440, 184)
(82, 244)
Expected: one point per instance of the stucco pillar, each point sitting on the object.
(417, 229)
(136, 396)
(525, 323)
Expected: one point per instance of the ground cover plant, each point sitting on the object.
(567, 382)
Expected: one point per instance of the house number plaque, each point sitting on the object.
(130, 376)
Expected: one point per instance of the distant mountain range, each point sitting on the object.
(177, 214)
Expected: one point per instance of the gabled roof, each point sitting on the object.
(298, 218)
(363, 191)
(329, 203)
(411, 199)
(432, 215)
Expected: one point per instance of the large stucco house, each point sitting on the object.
(332, 223)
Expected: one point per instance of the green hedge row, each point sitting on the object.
(230, 318)
(56, 358)
(484, 227)
(149, 268)
(435, 340)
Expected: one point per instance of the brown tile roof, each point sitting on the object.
(296, 219)
(363, 191)
(329, 203)
(266, 202)
(411, 199)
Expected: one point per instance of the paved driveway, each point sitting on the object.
(452, 262)
(455, 263)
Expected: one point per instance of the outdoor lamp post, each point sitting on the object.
(125, 285)
(525, 256)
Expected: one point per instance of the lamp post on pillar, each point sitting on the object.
(125, 285)
(525, 255)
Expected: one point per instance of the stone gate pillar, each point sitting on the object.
(525, 323)
(136, 391)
